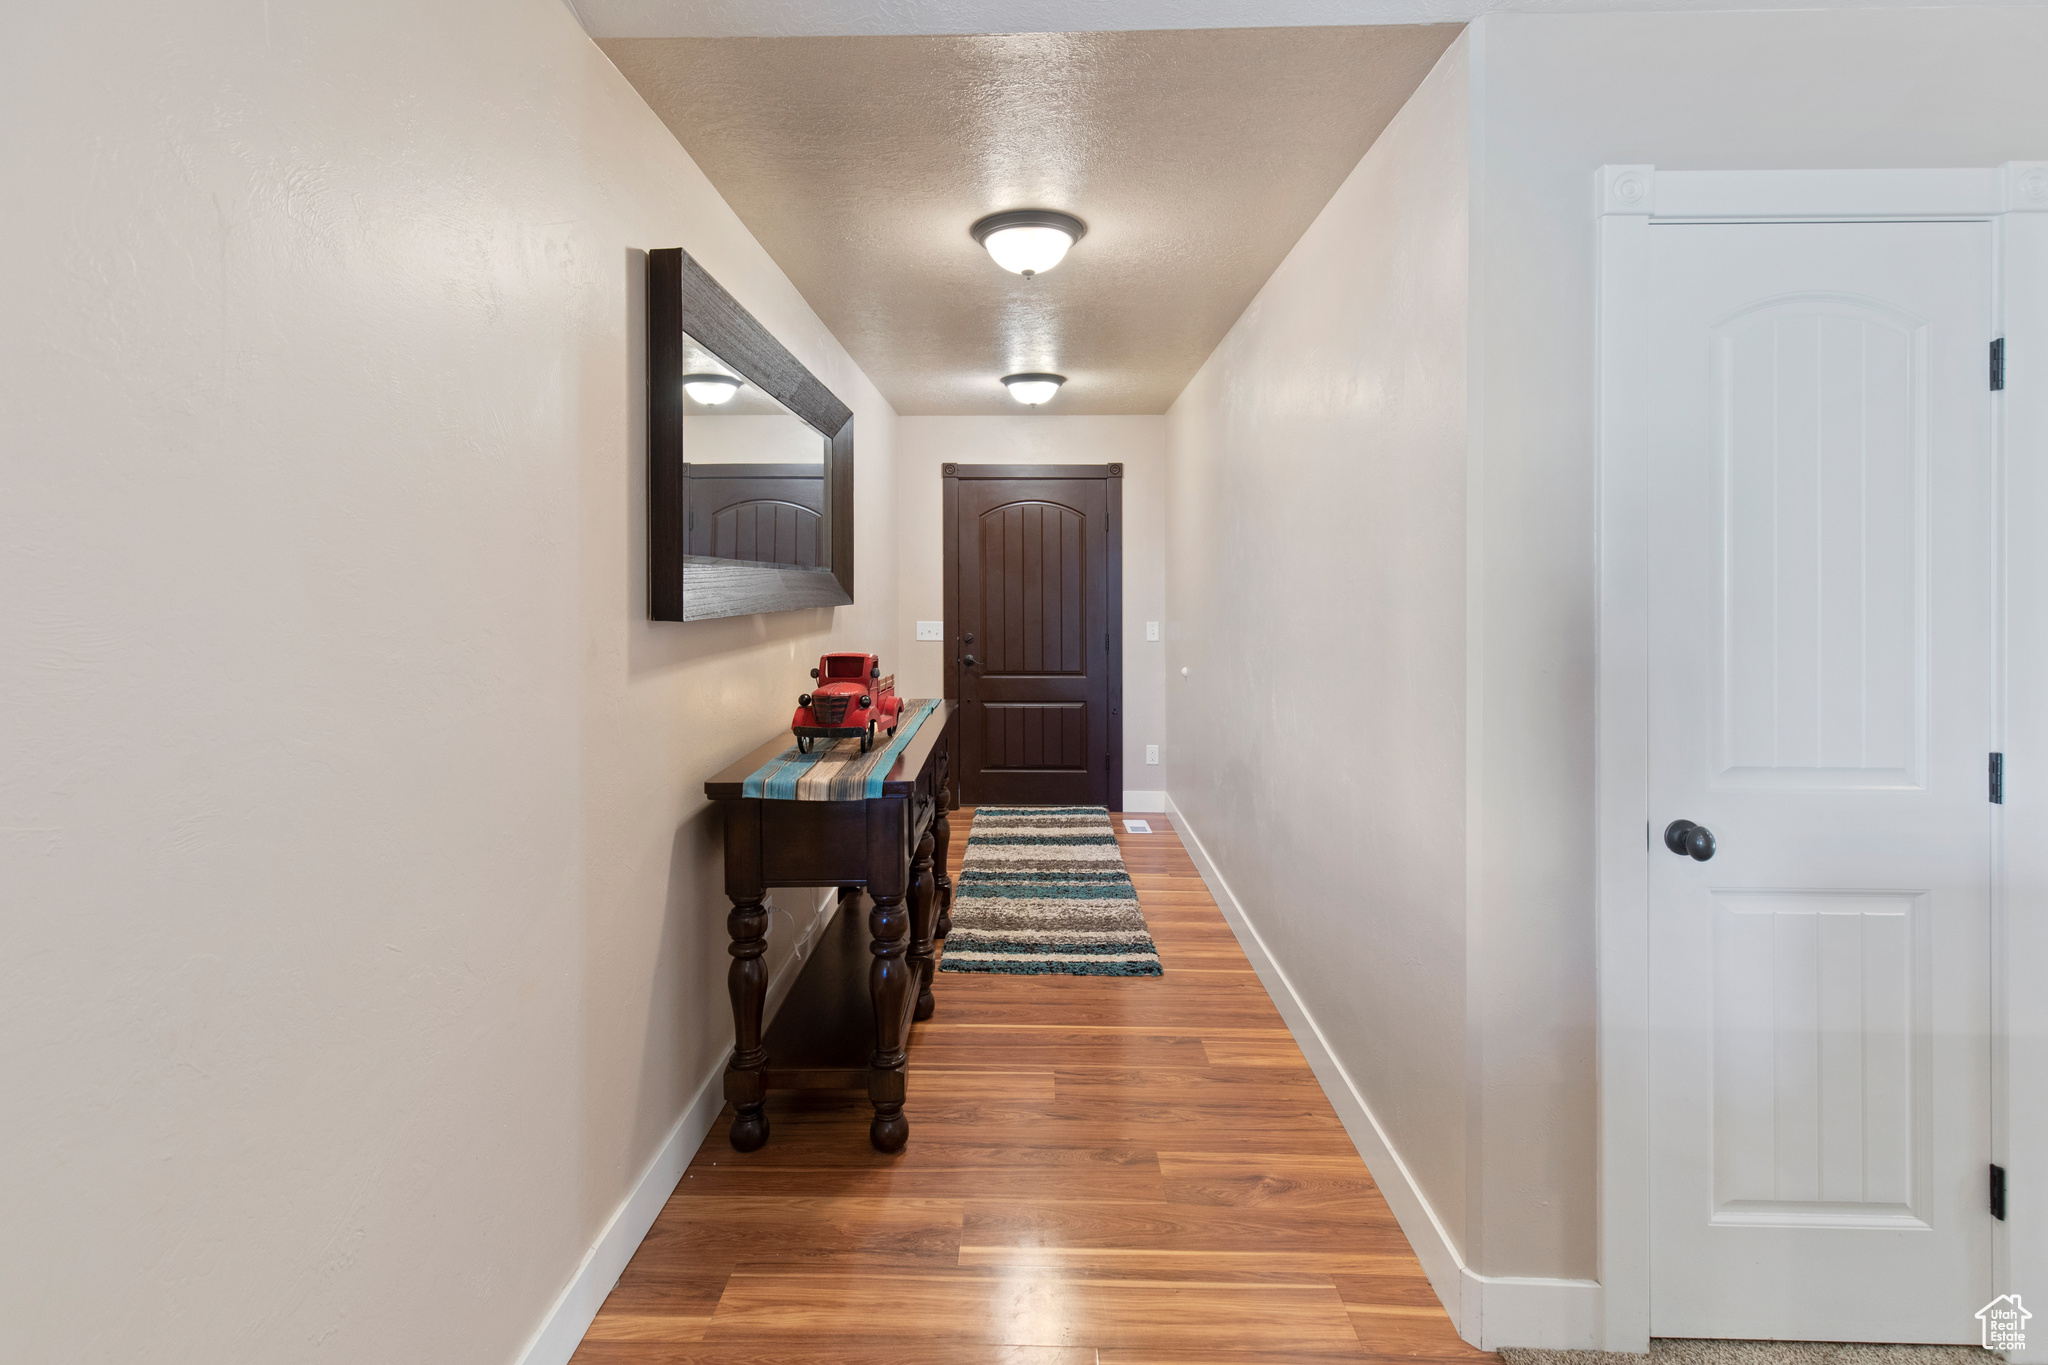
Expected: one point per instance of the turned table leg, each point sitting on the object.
(889, 981)
(923, 914)
(942, 843)
(746, 981)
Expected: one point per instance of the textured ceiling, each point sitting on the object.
(1196, 157)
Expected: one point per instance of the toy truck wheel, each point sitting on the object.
(867, 741)
(803, 744)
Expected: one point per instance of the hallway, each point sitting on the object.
(1102, 1171)
(1540, 491)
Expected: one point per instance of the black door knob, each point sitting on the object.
(969, 661)
(1688, 840)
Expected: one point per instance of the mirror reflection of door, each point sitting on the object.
(754, 470)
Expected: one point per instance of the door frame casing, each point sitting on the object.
(2013, 198)
(950, 475)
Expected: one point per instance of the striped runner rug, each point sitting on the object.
(1043, 891)
(836, 769)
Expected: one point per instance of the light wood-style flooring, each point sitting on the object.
(1101, 1171)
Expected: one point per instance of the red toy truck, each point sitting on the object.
(852, 698)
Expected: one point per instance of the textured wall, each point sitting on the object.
(1557, 96)
(717, 439)
(1315, 594)
(359, 927)
(1139, 443)
(1324, 384)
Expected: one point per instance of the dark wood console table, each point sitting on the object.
(831, 1034)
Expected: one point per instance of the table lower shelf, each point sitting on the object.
(824, 1034)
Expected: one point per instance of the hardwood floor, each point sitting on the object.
(1101, 1171)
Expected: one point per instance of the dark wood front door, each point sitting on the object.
(1033, 629)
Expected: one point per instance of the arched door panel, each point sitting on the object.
(759, 513)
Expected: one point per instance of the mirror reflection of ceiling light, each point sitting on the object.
(1028, 241)
(711, 389)
(1033, 388)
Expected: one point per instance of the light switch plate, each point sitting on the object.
(1151, 630)
(1151, 753)
(931, 630)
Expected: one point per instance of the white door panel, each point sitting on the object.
(1817, 452)
(1820, 697)
(1820, 1033)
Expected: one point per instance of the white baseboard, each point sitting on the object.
(1504, 1310)
(1138, 803)
(1489, 1311)
(561, 1331)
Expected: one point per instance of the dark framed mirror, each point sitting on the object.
(749, 460)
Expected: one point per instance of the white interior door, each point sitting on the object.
(1820, 664)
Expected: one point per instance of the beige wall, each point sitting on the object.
(1139, 443)
(1558, 95)
(1335, 519)
(362, 934)
(1316, 579)
(758, 438)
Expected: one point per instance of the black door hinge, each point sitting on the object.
(1998, 1192)
(1998, 779)
(1998, 364)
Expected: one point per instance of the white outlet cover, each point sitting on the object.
(1151, 753)
(1137, 826)
(931, 630)
(1151, 630)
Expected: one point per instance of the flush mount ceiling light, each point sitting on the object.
(1033, 388)
(1028, 241)
(711, 389)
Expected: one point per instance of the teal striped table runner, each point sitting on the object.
(837, 771)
